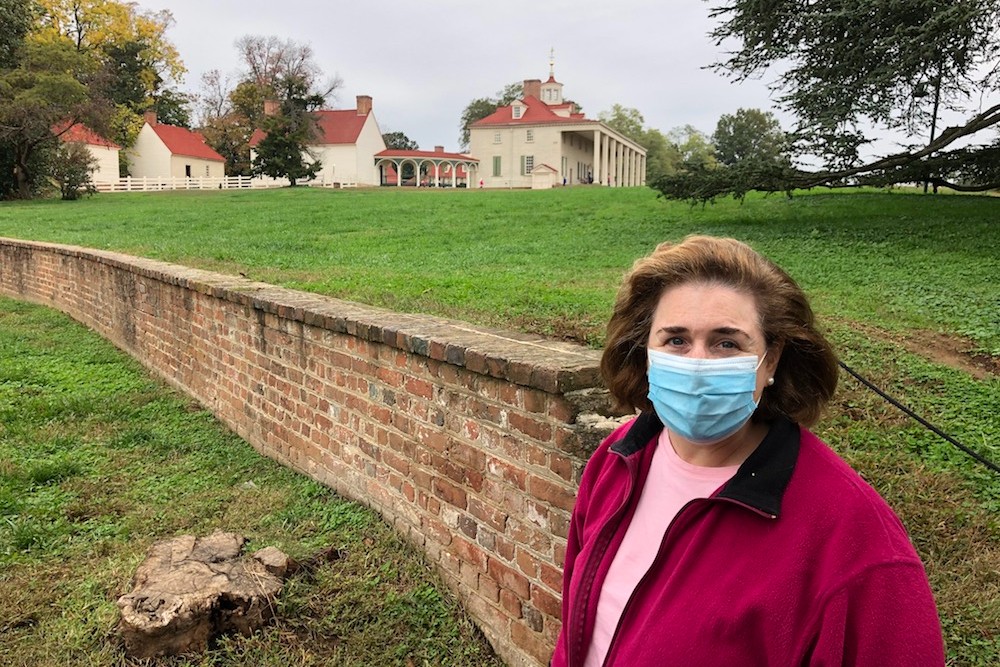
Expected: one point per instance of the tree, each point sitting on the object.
(749, 135)
(72, 170)
(626, 120)
(229, 136)
(399, 141)
(284, 151)
(268, 61)
(138, 62)
(48, 88)
(98, 25)
(663, 158)
(482, 107)
(228, 113)
(859, 67)
(16, 17)
(696, 149)
(173, 108)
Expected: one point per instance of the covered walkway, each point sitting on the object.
(429, 168)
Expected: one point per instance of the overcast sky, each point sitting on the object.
(424, 61)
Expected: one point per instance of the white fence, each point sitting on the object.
(153, 184)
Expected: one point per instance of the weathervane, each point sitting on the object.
(552, 62)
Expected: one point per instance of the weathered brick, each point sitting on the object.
(564, 466)
(533, 643)
(488, 514)
(509, 578)
(468, 526)
(534, 400)
(557, 495)
(532, 617)
(550, 575)
(472, 553)
(449, 493)
(510, 602)
(545, 601)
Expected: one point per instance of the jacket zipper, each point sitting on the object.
(594, 562)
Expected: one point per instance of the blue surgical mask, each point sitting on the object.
(703, 400)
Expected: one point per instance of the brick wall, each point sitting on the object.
(469, 441)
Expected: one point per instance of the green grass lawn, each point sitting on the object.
(907, 286)
(97, 461)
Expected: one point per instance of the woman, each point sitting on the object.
(714, 529)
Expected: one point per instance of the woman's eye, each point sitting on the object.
(675, 341)
(728, 345)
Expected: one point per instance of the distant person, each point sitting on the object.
(714, 529)
(480, 182)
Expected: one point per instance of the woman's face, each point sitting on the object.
(709, 321)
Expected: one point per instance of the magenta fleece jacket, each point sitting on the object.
(794, 561)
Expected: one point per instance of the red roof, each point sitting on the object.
(535, 113)
(391, 152)
(335, 127)
(181, 141)
(79, 133)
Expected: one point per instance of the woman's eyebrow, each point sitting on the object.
(725, 331)
(732, 331)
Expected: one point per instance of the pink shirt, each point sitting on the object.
(671, 484)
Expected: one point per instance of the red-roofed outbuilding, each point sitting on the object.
(168, 151)
(347, 139)
(104, 151)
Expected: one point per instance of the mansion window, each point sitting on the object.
(496, 165)
(517, 112)
(527, 164)
(529, 136)
(496, 138)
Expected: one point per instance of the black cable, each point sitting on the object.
(923, 422)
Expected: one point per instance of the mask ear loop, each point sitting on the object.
(761, 362)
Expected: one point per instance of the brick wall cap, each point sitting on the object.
(527, 359)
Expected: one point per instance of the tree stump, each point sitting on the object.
(190, 590)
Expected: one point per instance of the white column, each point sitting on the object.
(608, 164)
(618, 164)
(596, 168)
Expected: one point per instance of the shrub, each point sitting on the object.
(71, 170)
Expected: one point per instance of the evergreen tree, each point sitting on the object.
(851, 70)
(284, 151)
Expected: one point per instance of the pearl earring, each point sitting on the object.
(770, 381)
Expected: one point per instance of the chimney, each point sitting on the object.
(364, 105)
(271, 107)
(533, 88)
(150, 117)
(439, 149)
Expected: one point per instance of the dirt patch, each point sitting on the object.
(950, 350)
(956, 352)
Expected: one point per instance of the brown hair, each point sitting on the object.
(806, 375)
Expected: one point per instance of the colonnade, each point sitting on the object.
(616, 163)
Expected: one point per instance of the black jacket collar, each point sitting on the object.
(762, 479)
